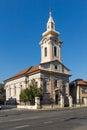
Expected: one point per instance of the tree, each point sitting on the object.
(36, 92)
(2, 98)
(23, 95)
(31, 92)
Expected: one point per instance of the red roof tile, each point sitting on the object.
(79, 82)
(34, 68)
(24, 72)
(82, 82)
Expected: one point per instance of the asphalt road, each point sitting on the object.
(70, 119)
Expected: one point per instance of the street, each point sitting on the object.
(67, 119)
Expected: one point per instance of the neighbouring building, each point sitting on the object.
(78, 91)
(51, 74)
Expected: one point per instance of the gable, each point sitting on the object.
(55, 66)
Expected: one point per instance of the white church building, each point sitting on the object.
(51, 75)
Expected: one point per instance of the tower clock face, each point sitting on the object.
(55, 40)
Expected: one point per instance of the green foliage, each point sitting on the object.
(1, 92)
(36, 92)
(23, 95)
(1, 88)
(30, 93)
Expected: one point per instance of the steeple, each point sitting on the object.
(50, 23)
(50, 29)
(50, 43)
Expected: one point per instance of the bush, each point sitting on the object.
(31, 92)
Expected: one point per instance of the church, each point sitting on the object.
(51, 75)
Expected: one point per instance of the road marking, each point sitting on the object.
(18, 127)
(48, 122)
(15, 120)
(30, 118)
(20, 119)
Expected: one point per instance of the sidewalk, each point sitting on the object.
(56, 107)
(44, 107)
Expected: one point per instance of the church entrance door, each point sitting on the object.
(56, 97)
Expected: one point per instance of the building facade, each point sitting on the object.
(51, 75)
(78, 91)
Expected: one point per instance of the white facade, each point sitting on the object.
(14, 87)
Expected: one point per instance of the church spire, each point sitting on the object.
(50, 23)
(50, 28)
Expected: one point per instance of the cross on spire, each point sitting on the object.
(50, 13)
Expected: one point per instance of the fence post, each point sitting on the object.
(85, 101)
(37, 102)
(70, 101)
(61, 101)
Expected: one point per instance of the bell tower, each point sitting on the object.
(50, 43)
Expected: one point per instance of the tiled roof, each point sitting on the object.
(24, 72)
(79, 82)
(82, 82)
(33, 69)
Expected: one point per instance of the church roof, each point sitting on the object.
(24, 72)
(28, 71)
(33, 69)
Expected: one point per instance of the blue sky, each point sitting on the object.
(22, 23)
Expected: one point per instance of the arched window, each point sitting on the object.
(45, 51)
(21, 87)
(56, 67)
(55, 83)
(55, 51)
(52, 25)
(45, 86)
